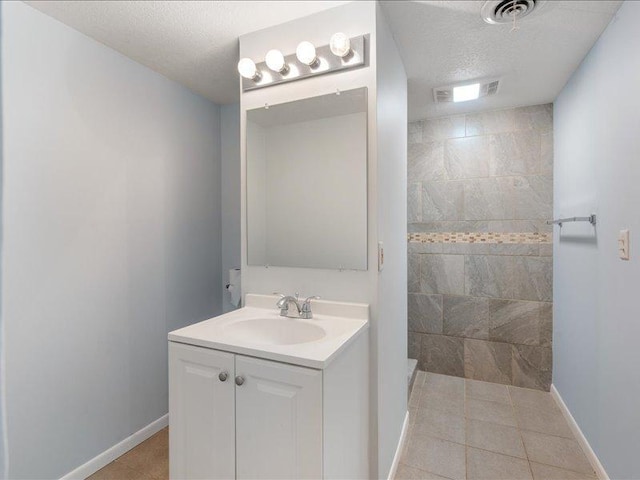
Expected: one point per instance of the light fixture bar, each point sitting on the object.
(326, 62)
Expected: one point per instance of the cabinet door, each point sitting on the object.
(278, 421)
(201, 413)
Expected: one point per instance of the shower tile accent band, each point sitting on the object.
(481, 237)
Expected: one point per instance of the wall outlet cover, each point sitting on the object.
(623, 244)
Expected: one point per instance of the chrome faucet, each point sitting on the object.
(304, 310)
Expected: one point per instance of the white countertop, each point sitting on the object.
(342, 322)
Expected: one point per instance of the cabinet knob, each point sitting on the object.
(239, 380)
(223, 376)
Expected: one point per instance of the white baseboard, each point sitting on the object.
(582, 440)
(108, 456)
(403, 438)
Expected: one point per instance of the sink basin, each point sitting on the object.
(274, 331)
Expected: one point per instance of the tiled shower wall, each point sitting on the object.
(480, 266)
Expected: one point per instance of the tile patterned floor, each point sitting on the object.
(147, 461)
(466, 429)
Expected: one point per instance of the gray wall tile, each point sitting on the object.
(467, 157)
(413, 273)
(466, 316)
(425, 313)
(442, 274)
(483, 172)
(442, 201)
(414, 132)
(532, 367)
(488, 199)
(414, 343)
(515, 321)
(442, 354)
(515, 153)
(517, 277)
(443, 128)
(414, 202)
(425, 162)
(487, 361)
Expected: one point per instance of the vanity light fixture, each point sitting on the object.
(308, 60)
(306, 53)
(340, 45)
(465, 93)
(247, 68)
(275, 61)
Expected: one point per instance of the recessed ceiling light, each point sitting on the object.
(465, 93)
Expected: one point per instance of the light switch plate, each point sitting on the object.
(623, 244)
(380, 256)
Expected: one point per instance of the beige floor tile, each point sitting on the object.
(405, 472)
(535, 399)
(492, 392)
(495, 412)
(483, 465)
(119, 471)
(414, 398)
(151, 456)
(547, 472)
(548, 421)
(495, 437)
(450, 405)
(437, 456)
(440, 425)
(555, 451)
(443, 385)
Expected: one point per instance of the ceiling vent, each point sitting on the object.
(487, 88)
(504, 11)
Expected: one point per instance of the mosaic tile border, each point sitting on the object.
(481, 237)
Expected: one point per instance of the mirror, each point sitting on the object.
(307, 183)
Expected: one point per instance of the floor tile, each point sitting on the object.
(444, 385)
(420, 376)
(551, 422)
(490, 412)
(492, 392)
(405, 472)
(494, 437)
(437, 456)
(414, 398)
(440, 425)
(535, 399)
(118, 471)
(483, 465)
(547, 472)
(448, 405)
(555, 451)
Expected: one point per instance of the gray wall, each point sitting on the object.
(480, 267)
(597, 169)
(391, 339)
(230, 191)
(111, 239)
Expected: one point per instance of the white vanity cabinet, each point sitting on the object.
(294, 412)
(234, 416)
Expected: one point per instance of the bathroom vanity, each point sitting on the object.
(253, 394)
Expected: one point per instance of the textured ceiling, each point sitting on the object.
(192, 42)
(441, 42)
(445, 42)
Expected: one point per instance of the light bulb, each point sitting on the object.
(340, 45)
(275, 61)
(306, 53)
(247, 68)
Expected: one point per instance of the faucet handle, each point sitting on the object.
(306, 312)
(313, 297)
